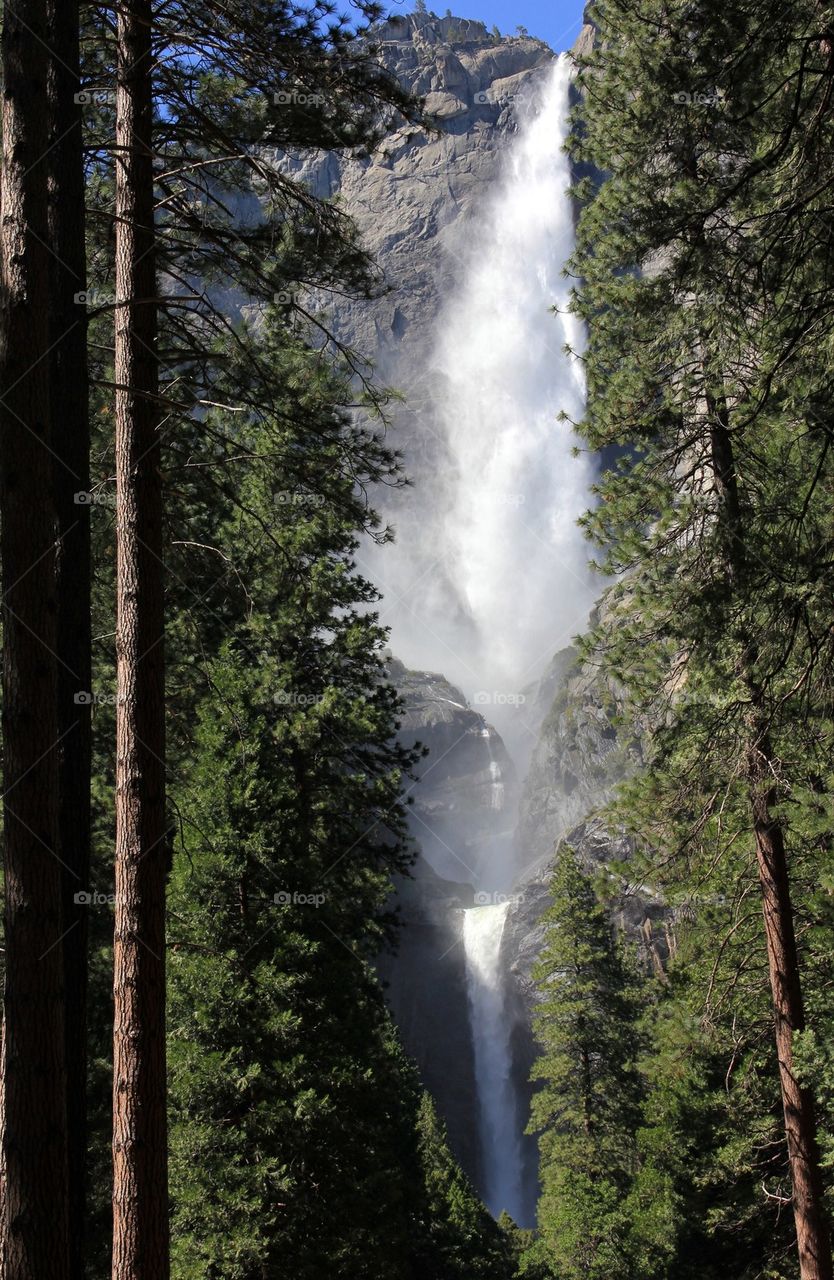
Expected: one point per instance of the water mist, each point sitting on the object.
(490, 567)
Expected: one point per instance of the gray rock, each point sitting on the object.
(465, 800)
(457, 826)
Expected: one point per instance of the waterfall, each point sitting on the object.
(483, 928)
(513, 495)
(515, 491)
(496, 784)
(489, 575)
(496, 798)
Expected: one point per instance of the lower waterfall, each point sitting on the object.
(498, 1123)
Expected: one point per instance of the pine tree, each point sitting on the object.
(588, 1108)
(710, 1144)
(68, 388)
(140, 1183)
(35, 1227)
(285, 1100)
(217, 117)
(703, 372)
(456, 1237)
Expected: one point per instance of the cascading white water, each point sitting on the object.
(496, 785)
(514, 495)
(483, 928)
(515, 552)
(490, 575)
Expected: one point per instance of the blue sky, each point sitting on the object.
(556, 21)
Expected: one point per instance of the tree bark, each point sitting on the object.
(800, 1121)
(34, 1227)
(69, 389)
(812, 1233)
(140, 1199)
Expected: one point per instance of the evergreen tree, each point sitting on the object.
(292, 829)
(588, 1108)
(457, 1236)
(295, 1115)
(704, 373)
(713, 1167)
(73, 645)
(140, 1152)
(34, 1232)
(217, 115)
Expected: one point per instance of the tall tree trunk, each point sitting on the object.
(800, 1121)
(140, 1199)
(812, 1235)
(35, 1220)
(69, 389)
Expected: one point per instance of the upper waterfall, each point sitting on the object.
(488, 576)
(514, 491)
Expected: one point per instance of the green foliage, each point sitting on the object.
(298, 1136)
(712, 1132)
(461, 1240)
(709, 392)
(588, 1108)
(288, 804)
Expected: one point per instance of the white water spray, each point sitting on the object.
(498, 580)
(483, 928)
(489, 576)
(515, 551)
(514, 495)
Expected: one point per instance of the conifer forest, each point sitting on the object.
(417, 625)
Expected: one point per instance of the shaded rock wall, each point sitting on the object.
(455, 821)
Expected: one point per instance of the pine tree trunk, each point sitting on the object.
(140, 1199)
(34, 1229)
(71, 477)
(2, 1156)
(813, 1241)
(800, 1122)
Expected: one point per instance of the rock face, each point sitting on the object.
(463, 806)
(411, 201)
(412, 195)
(465, 800)
(425, 981)
(578, 759)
